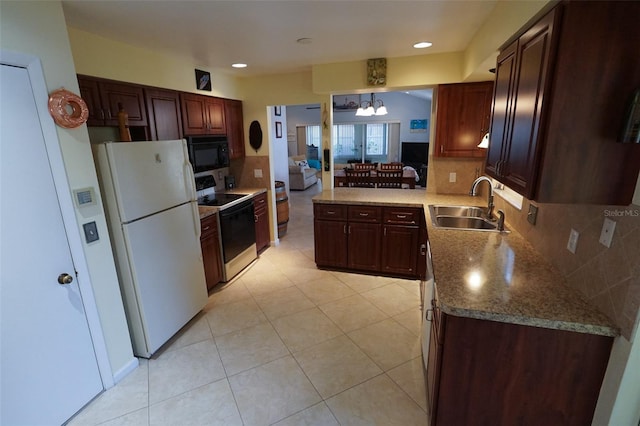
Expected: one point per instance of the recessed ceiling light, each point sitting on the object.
(423, 44)
(304, 40)
(239, 65)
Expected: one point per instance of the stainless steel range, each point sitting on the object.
(237, 226)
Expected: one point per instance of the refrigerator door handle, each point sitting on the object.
(196, 219)
(190, 187)
(189, 177)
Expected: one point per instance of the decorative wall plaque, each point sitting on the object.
(377, 72)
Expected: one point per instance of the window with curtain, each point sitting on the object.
(313, 135)
(355, 142)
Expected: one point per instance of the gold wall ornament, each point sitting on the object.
(377, 72)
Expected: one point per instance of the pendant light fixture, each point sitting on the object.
(374, 107)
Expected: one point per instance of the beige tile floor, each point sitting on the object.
(284, 344)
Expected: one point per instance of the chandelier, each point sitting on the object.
(373, 107)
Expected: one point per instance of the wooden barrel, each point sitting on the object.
(282, 208)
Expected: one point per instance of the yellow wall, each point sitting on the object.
(101, 57)
(505, 20)
(39, 29)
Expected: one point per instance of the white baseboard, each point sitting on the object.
(125, 370)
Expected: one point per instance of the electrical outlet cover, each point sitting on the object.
(606, 235)
(573, 241)
(533, 214)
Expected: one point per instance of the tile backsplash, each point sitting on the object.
(466, 170)
(608, 277)
(244, 172)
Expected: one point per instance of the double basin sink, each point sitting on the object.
(469, 218)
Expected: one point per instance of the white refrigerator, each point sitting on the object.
(148, 191)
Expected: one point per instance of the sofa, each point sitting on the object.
(301, 175)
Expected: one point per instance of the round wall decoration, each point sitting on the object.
(67, 109)
(255, 135)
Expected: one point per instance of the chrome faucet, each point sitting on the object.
(472, 192)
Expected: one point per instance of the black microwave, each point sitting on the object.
(208, 152)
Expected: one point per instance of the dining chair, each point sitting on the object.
(389, 179)
(359, 178)
(364, 166)
(391, 166)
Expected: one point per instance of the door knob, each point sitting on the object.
(65, 279)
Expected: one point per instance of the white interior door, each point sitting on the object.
(48, 366)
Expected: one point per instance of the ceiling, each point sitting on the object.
(264, 33)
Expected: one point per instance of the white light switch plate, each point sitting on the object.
(257, 173)
(573, 241)
(608, 227)
(452, 177)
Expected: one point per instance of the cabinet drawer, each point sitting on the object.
(209, 226)
(330, 212)
(369, 214)
(260, 203)
(402, 215)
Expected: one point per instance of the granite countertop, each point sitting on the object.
(206, 211)
(488, 275)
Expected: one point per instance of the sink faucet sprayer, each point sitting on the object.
(472, 192)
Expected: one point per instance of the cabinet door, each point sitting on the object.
(434, 361)
(194, 114)
(165, 118)
(364, 246)
(211, 255)
(131, 98)
(235, 130)
(521, 154)
(502, 105)
(463, 118)
(90, 93)
(262, 221)
(215, 114)
(330, 240)
(400, 249)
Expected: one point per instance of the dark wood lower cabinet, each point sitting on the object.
(364, 246)
(262, 221)
(491, 373)
(211, 252)
(330, 242)
(369, 238)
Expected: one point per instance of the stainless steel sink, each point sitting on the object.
(469, 218)
(464, 211)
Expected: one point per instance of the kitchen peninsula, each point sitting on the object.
(504, 337)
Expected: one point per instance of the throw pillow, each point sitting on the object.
(314, 164)
(303, 164)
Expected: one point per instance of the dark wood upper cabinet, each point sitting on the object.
(562, 88)
(103, 98)
(165, 117)
(235, 129)
(202, 115)
(91, 95)
(463, 114)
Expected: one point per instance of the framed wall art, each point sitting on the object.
(203, 80)
(377, 72)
